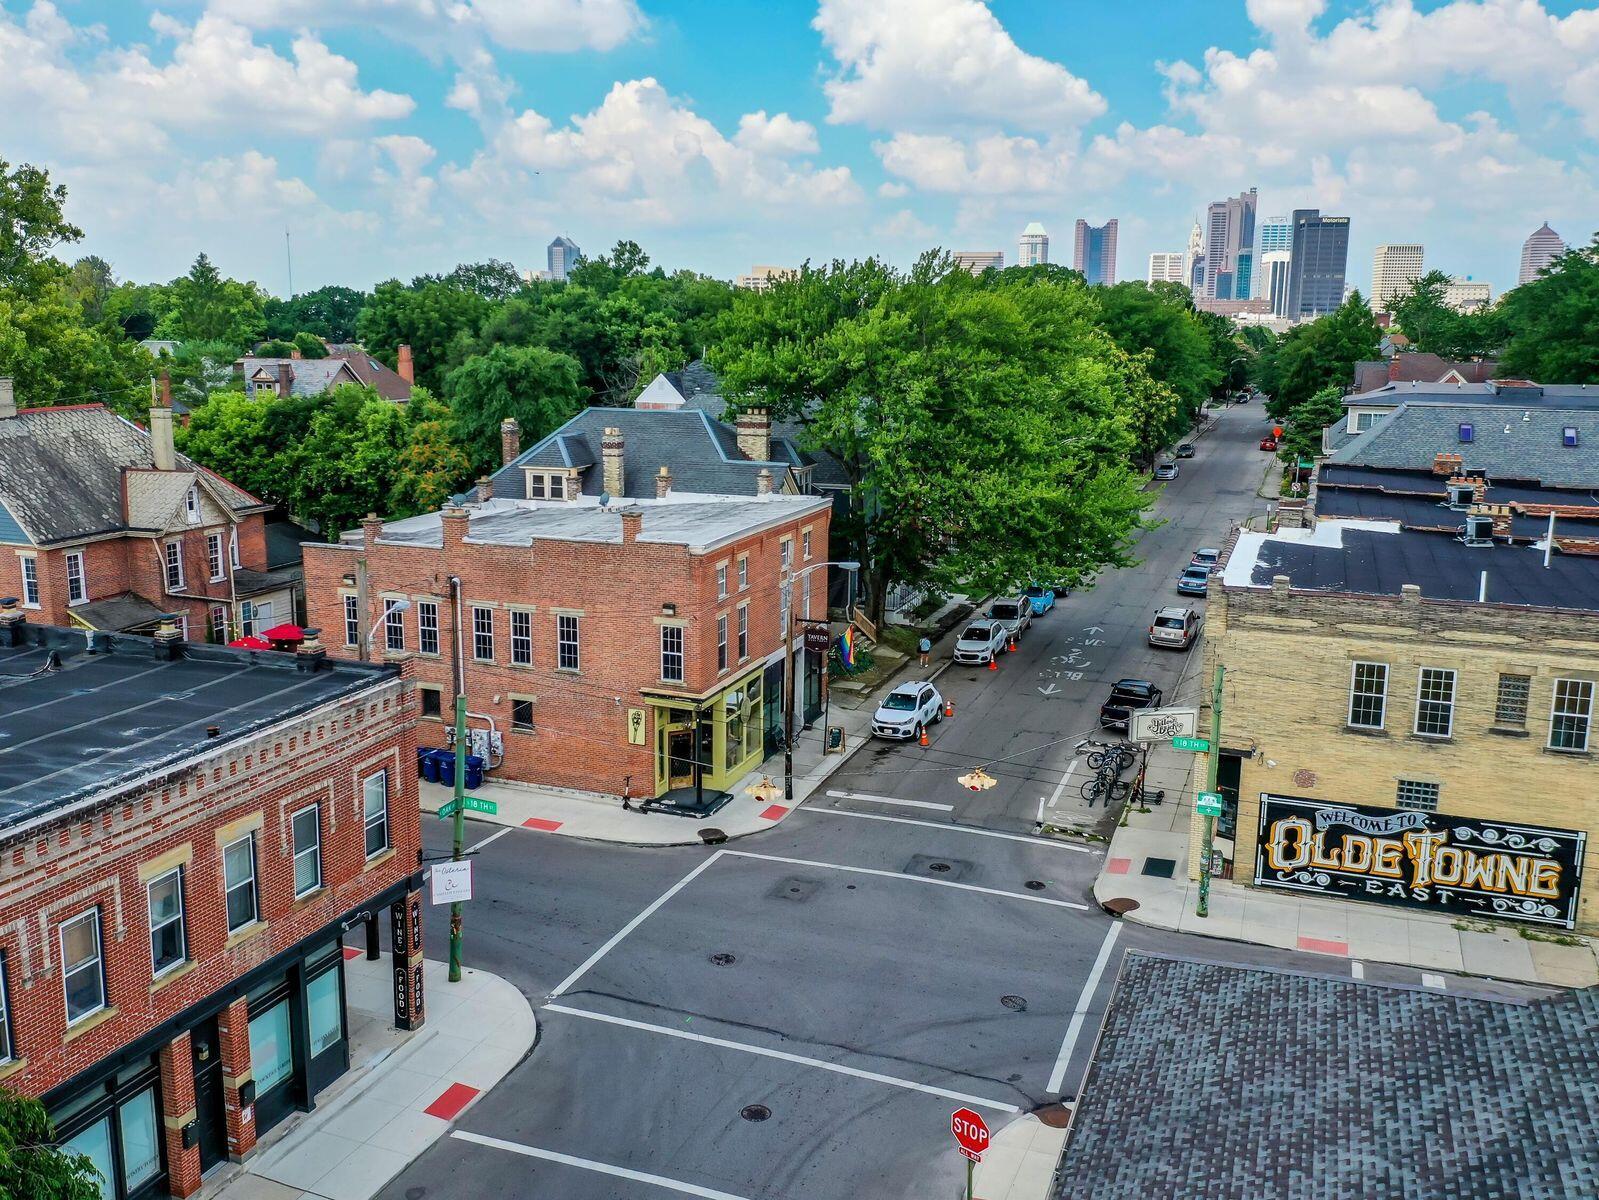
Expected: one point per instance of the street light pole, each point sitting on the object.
(787, 592)
(1208, 846)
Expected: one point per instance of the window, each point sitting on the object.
(567, 637)
(743, 632)
(30, 581)
(352, 621)
(82, 978)
(375, 810)
(7, 1050)
(247, 615)
(1412, 793)
(521, 638)
(1435, 703)
(786, 552)
(167, 941)
(521, 715)
(1572, 718)
(557, 487)
(427, 627)
(482, 634)
(233, 546)
(77, 585)
(306, 828)
(1368, 695)
(393, 626)
(1568, 436)
(238, 882)
(721, 642)
(743, 572)
(535, 486)
(1364, 421)
(432, 701)
(213, 555)
(271, 1048)
(174, 563)
(219, 623)
(721, 581)
(672, 653)
(805, 544)
(191, 505)
(1510, 709)
(324, 1012)
(1467, 431)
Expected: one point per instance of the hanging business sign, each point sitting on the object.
(1420, 859)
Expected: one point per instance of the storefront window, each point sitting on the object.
(322, 1002)
(141, 1152)
(95, 1143)
(271, 1051)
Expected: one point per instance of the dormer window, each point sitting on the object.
(191, 505)
(557, 487)
(546, 485)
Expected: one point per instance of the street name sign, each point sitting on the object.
(452, 881)
(473, 804)
(1208, 804)
(971, 1133)
(448, 809)
(1163, 724)
(1197, 744)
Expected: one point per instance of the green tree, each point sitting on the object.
(32, 1167)
(90, 283)
(1552, 322)
(1160, 321)
(493, 280)
(32, 225)
(309, 345)
(56, 359)
(205, 306)
(538, 387)
(429, 319)
(1432, 326)
(329, 312)
(275, 348)
(1302, 428)
(1317, 354)
(133, 308)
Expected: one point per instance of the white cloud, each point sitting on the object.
(530, 25)
(928, 64)
(907, 228)
(781, 134)
(994, 165)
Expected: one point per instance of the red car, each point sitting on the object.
(1268, 443)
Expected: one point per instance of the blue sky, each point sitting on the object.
(396, 137)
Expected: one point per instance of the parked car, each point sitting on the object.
(1127, 696)
(907, 710)
(1015, 613)
(1175, 627)
(1194, 581)
(1042, 597)
(981, 642)
(1185, 450)
(1268, 442)
(1205, 556)
(1166, 470)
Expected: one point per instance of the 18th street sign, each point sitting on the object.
(971, 1133)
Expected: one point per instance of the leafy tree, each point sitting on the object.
(133, 307)
(429, 319)
(538, 387)
(1302, 428)
(1552, 322)
(329, 312)
(1160, 321)
(432, 466)
(309, 345)
(56, 359)
(1435, 327)
(1154, 414)
(276, 348)
(1317, 354)
(493, 280)
(90, 283)
(204, 306)
(32, 225)
(32, 1167)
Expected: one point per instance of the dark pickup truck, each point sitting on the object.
(1125, 696)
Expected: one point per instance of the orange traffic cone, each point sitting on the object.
(993, 663)
(949, 708)
(1010, 646)
(924, 736)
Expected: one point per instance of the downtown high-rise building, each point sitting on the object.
(1467, 295)
(562, 256)
(1094, 252)
(1274, 279)
(978, 261)
(1033, 249)
(1538, 251)
(1196, 259)
(1319, 263)
(1229, 234)
(1168, 267)
(1276, 233)
(1394, 267)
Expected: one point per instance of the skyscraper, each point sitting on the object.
(1229, 232)
(1196, 259)
(1276, 234)
(1538, 251)
(1033, 250)
(1274, 265)
(563, 255)
(1167, 267)
(1320, 260)
(1095, 251)
(1394, 267)
(1467, 295)
(978, 261)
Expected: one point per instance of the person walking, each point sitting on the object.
(924, 648)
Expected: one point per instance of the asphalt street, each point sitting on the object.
(795, 1014)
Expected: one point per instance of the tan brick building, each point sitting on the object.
(1389, 736)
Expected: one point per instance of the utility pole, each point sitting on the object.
(460, 830)
(788, 688)
(1207, 850)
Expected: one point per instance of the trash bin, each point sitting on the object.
(474, 772)
(446, 761)
(422, 753)
(430, 765)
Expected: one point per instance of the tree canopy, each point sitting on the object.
(1552, 322)
(538, 387)
(1317, 354)
(32, 1167)
(1433, 326)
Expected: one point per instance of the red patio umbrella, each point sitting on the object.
(250, 643)
(284, 633)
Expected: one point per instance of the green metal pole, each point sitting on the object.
(1202, 909)
(460, 831)
(969, 1167)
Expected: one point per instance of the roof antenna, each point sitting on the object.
(1482, 589)
(288, 251)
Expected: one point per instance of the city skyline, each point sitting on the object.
(396, 137)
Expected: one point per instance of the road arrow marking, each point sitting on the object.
(1093, 629)
(1048, 691)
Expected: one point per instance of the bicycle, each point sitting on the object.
(1106, 783)
(1103, 752)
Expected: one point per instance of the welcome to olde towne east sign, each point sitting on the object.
(1396, 856)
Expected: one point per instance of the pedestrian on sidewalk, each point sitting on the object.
(923, 649)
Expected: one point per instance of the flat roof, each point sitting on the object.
(686, 519)
(75, 724)
(1498, 393)
(1377, 558)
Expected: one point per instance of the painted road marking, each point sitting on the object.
(1065, 779)
(493, 837)
(1432, 981)
(621, 933)
(949, 883)
(1080, 1013)
(891, 800)
(993, 833)
(589, 1164)
(785, 1056)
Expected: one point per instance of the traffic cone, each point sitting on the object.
(993, 663)
(949, 708)
(924, 735)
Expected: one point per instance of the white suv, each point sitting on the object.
(907, 710)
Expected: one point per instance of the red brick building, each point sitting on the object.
(603, 646)
(103, 525)
(187, 833)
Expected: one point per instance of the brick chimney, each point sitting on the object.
(295, 353)
(8, 399)
(455, 521)
(1393, 367)
(162, 455)
(12, 618)
(754, 427)
(510, 441)
(485, 488)
(763, 482)
(403, 366)
(371, 529)
(1499, 514)
(632, 524)
(310, 655)
(663, 483)
(1446, 465)
(611, 457)
(285, 380)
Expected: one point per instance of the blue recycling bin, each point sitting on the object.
(430, 765)
(474, 772)
(422, 753)
(446, 761)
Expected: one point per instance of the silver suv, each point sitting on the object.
(1013, 613)
(1174, 627)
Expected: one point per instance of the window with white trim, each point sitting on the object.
(238, 883)
(427, 626)
(233, 547)
(1416, 795)
(7, 1049)
(1435, 702)
(247, 618)
(352, 621)
(721, 581)
(191, 505)
(721, 642)
(393, 626)
(168, 944)
(743, 632)
(568, 645)
(557, 487)
(1510, 706)
(77, 584)
(1571, 718)
(213, 556)
(1368, 695)
(30, 581)
(306, 829)
(521, 637)
(82, 967)
(375, 812)
(672, 653)
(805, 544)
(174, 565)
(482, 633)
(785, 552)
(743, 572)
(219, 623)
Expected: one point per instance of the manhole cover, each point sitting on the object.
(795, 887)
(1119, 906)
(755, 1112)
(940, 867)
(1034, 885)
(1056, 1116)
(1014, 1003)
(724, 960)
(945, 868)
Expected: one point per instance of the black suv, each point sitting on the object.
(1125, 696)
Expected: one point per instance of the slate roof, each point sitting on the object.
(1421, 367)
(61, 471)
(388, 382)
(312, 376)
(1217, 1081)
(1524, 444)
(119, 614)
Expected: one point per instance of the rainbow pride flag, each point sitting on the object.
(846, 648)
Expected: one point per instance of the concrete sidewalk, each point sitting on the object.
(402, 1090)
(1019, 1163)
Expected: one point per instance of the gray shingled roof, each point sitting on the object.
(61, 471)
(1506, 443)
(1218, 1081)
(312, 376)
(1498, 393)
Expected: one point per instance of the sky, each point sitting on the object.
(397, 137)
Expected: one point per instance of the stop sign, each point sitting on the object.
(971, 1132)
